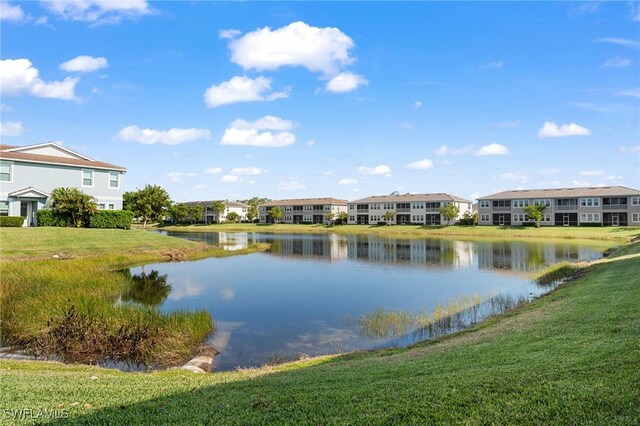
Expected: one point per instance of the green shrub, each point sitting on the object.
(591, 225)
(48, 217)
(120, 219)
(11, 221)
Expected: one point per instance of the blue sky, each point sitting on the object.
(284, 100)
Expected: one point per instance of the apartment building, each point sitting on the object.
(230, 206)
(422, 209)
(28, 174)
(303, 210)
(607, 206)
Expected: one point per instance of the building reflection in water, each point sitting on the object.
(496, 256)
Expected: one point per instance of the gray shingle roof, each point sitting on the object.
(305, 201)
(408, 198)
(596, 191)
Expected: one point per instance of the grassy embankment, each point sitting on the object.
(68, 306)
(613, 234)
(569, 357)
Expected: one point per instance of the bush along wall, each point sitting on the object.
(11, 221)
(120, 219)
(48, 217)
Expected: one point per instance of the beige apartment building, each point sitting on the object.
(303, 210)
(409, 208)
(230, 207)
(606, 206)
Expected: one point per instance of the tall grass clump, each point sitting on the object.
(74, 310)
(556, 273)
(384, 323)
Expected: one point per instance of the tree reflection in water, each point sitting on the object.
(147, 289)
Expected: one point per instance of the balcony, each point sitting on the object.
(566, 208)
(615, 207)
(502, 209)
(403, 210)
(363, 210)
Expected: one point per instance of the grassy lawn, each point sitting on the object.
(617, 234)
(570, 357)
(81, 307)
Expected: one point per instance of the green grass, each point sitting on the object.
(570, 357)
(617, 234)
(69, 306)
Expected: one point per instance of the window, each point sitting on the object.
(520, 203)
(635, 201)
(5, 172)
(589, 202)
(520, 217)
(484, 204)
(543, 202)
(547, 217)
(4, 208)
(112, 206)
(101, 206)
(485, 217)
(635, 217)
(87, 178)
(114, 180)
(589, 217)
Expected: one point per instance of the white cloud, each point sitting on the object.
(620, 41)
(551, 130)
(592, 173)
(291, 185)
(377, 170)
(420, 165)
(348, 182)
(617, 63)
(449, 150)
(229, 33)
(406, 125)
(191, 174)
(172, 136)
(241, 89)
(258, 133)
(323, 50)
(42, 20)
(417, 104)
(6, 108)
(346, 82)
(241, 171)
(549, 172)
(311, 142)
(494, 65)
(635, 11)
(521, 177)
(229, 179)
(635, 149)
(20, 76)
(214, 170)
(84, 63)
(10, 12)
(580, 183)
(613, 177)
(175, 176)
(635, 92)
(11, 128)
(98, 11)
(492, 149)
(474, 196)
(200, 186)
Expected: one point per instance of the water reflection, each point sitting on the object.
(519, 256)
(149, 289)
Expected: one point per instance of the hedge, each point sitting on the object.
(120, 219)
(11, 221)
(48, 217)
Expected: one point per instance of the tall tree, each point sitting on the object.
(535, 212)
(218, 209)
(329, 216)
(150, 203)
(196, 213)
(252, 212)
(75, 204)
(233, 217)
(276, 214)
(449, 212)
(178, 212)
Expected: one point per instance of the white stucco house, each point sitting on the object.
(28, 174)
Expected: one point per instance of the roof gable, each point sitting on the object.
(29, 192)
(50, 149)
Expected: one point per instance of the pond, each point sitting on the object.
(322, 294)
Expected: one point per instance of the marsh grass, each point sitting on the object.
(86, 310)
(555, 274)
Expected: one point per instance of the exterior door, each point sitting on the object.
(501, 220)
(24, 212)
(615, 221)
(565, 219)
